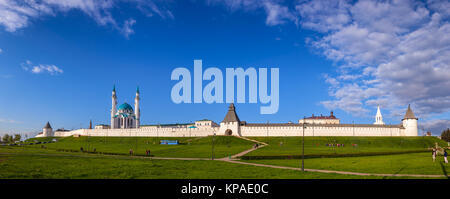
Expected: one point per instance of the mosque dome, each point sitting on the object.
(125, 106)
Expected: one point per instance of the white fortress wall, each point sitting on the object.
(141, 132)
(248, 130)
(321, 131)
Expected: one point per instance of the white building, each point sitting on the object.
(126, 122)
(320, 119)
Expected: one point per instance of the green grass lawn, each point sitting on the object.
(413, 163)
(200, 147)
(285, 146)
(32, 161)
(35, 163)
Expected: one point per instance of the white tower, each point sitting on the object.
(410, 123)
(137, 111)
(113, 108)
(231, 123)
(378, 117)
(47, 131)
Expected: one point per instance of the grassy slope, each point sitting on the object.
(189, 147)
(414, 163)
(316, 145)
(39, 163)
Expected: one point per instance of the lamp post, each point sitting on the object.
(353, 122)
(303, 146)
(390, 129)
(157, 130)
(212, 150)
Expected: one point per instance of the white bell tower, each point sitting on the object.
(378, 117)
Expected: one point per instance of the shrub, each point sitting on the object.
(446, 135)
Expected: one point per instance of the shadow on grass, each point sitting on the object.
(400, 170)
(443, 170)
(329, 155)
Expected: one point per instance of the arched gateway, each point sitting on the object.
(228, 132)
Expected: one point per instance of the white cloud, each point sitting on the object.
(41, 68)
(16, 15)
(435, 126)
(127, 28)
(276, 12)
(324, 15)
(388, 52)
(2, 120)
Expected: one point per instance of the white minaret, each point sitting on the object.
(137, 111)
(410, 123)
(379, 117)
(113, 108)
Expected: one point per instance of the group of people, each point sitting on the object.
(434, 153)
(147, 152)
(333, 145)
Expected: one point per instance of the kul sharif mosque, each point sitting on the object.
(125, 121)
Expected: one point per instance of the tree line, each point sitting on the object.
(10, 138)
(446, 135)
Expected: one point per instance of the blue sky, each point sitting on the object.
(60, 59)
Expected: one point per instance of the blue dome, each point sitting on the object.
(125, 106)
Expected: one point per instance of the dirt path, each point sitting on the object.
(235, 160)
(235, 156)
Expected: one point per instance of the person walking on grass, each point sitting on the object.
(445, 157)
(433, 153)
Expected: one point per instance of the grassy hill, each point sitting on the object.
(292, 146)
(197, 147)
(35, 163)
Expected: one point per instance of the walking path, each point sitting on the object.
(235, 160)
(235, 156)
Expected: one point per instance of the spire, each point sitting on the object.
(114, 88)
(409, 114)
(137, 89)
(47, 126)
(231, 115)
(378, 111)
(378, 116)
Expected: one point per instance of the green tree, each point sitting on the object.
(5, 138)
(17, 137)
(10, 139)
(446, 135)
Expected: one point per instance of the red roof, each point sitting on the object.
(331, 116)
